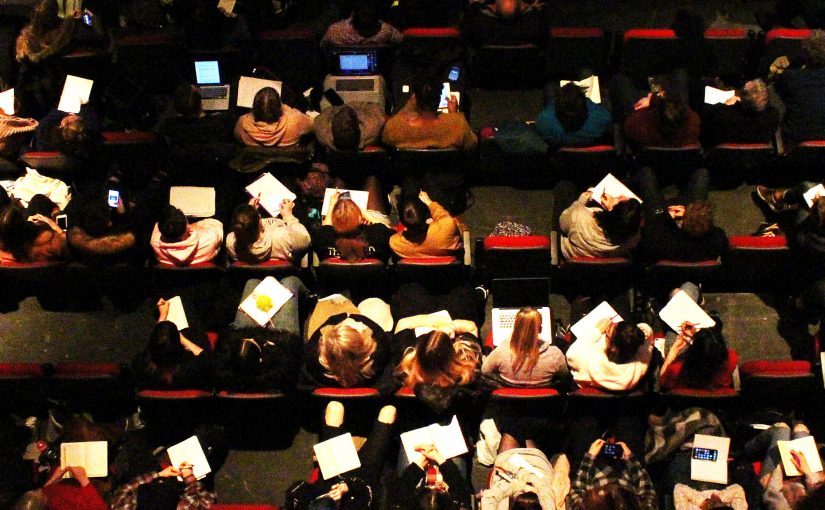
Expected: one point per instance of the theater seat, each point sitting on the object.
(716, 399)
(364, 278)
(97, 388)
(571, 49)
(732, 163)
(292, 54)
(647, 52)
(270, 411)
(172, 415)
(671, 161)
(757, 264)
(240, 272)
(605, 275)
(431, 271)
(732, 49)
(514, 256)
(664, 275)
(507, 67)
(779, 42)
(19, 280)
(242, 506)
(586, 166)
(784, 384)
(23, 386)
(803, 162)
(51, 163)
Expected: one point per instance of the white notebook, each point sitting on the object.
(804, 445)
(191, 452)
(248, 87)
(267, 298)
(359, 197)
(442, 314)
(76, 92)
(813, 193)
(681, 308)
(336, 456)
(613, 187)
(714, 471)
(93, 456)
(586, 327)
(7, 102)
(447, 439)
(176, 314)
(194, 201)
(271, 191)
(590, 86)
(716, 96)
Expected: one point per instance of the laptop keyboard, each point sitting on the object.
(213, 92)
(507, 320)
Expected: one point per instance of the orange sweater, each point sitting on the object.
(407, 130)
(443, 237)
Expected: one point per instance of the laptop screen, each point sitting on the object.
(207, 73)
(357, 63)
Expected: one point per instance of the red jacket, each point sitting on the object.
(643, 127)
(70, 496)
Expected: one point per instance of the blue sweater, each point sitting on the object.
(597, 124)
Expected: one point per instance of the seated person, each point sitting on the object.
(69, 133)
(615, 358)
(271, 123)
(633, 490)
(15, 133)
(363, 28)
(688, 498)
(804, 117)
(662, 120)
(193, 494)
(745, 118)
(611, 230)
(524, 359)
(348, 346)
(58, 493)
(505, 22)
(684, 233)
(351, 127)
(171, 360)
(351, 234)
(430, 231)
(780, 490)
(415, 489)
(34, 239)
(698, 359)
(178, 243)
(419, 125)
(254, 240)
(573, 119)
(103, 231)
(353, 490)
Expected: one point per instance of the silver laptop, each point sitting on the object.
(505, 318)
(214, 94)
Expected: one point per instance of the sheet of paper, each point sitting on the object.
(681, 308)
(176, 313)
(447, 439)
(359, 197)
(76, 92)
(271, 191)
(267, 298)
(659, 344)
(586, 327)
(590, 86)
(613, 187)
(445, 95)
(248, 87)
(711, 471)
(814, 193)
(804, 445)
(441, 314)
(93, 456)
(226, 5)
(7, 102)
(190, 451)
(716, 96)
(194, 201)
(336, 456)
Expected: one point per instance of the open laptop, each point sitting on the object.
(358, 63)
(214, 94)
(503, 320)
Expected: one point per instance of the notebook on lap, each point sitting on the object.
(214, 94)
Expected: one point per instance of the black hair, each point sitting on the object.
(433, 499)
(413, 214)
(188, 101)
(427, 90)
(96, 218)
(571, 107)
(609, 497)
(621, 222)
(16, 234)
(625, 342)
(165, 349)
(526, 501)
(703, 359)
(172, 224)
(40, 204)
(365, 18)
(346, 131)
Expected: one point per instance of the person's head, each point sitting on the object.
(246, 357)
(74, 138)
(346, 221)
(365, 19)
(714, 502)
(4, 197)
(671, 114)
(703, 359)
(41, 204)
(413, 214)
(525, 501)
(571, 107)
(524, 342)
(172, 224)
(96, 218)
(623, 341)
(698, 219)
(754, 95)
(346, 131)
(44, 16)
(14, 231)
(609, 497)
(440, 361)
(427, 89)
(814, 48)
(435, 499)
(266, 107)
(346, 354)
(507, 9)
(247, 227)
(622, 221)
(688, 24)
(188, 101)
(165, 349)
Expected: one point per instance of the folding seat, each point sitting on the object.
(242, 506)
(516, 66)
(719, 399)
(514, 257)
(732, 49)
(571, 49)
(782, 384)
(432, 271)
(539, 402)
(422, 161)
(371, 160)
(135, 153)
(149, 63)
(587, 275)
(41, 279)
(586, 166)
(601, 402)
(197, 284)
(757, 264)
(671, 161)
(239, 272)
(364, 278)
(292, 54)
(101, 389)
(51, 163)
(732, 163)
(23, 386)
(803, 162)
(423, 41)
(270, 411)
(664, 275)
(779, 42)
(279, 161)
(647, 52)
(172, 415)
(361, 405)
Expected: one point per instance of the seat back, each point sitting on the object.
(51, 163)
(783, 384)
(353, 169)
(431, 272)
(804, 161)
(670, 274)
(782, 42)
(135, 153)
(172, 415)
(41, 279)
(507, 67)
(757, 264)
(364, 278)
(270, 411)
(421, 43)
(96, 388)
(239, 272)
(539, 402)
(422, 161)
(586, 166)
(23, 386)
(151, 60)
(515, 257)
(732, 163)
(732, 49)
(716, 399)
(584, 275)
(647, 52)
(292, 54)
(670, 161)
(604, 403)
(570, 49)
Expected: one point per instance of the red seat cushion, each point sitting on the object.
(758, 242)
(340, 261)
(266, 263)
(787, 33)
(812, 143)
(431, 32)
(428, 261)
(516, 242)
(406, 391)
(174, 394)
(526, 392)
(686, 264)
(128, 137)
(20, 369)
(776, 368)
(591, 148)
(649, 33)
(345, 392)
(75, 369)
(694, 392)
(584, 32)
(726, 33)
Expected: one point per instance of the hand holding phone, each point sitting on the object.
(612, 451)
(114, 198)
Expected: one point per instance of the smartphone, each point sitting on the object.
(333, 97)
(705, 454)
(62, 221)
(612, 450)
(87, 17)
(455, 71)
(114, 197)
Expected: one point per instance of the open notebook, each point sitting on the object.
(586, 327)
(613, 187)
(93, 456)
(336, 456)
(267, 298)
(447, 439)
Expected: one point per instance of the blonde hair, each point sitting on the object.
(349, 241)
(441, 361)
(346, 354)
(524, 342)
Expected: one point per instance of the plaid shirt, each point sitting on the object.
(627, 474)
(194, 497)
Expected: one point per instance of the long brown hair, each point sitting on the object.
(441, 361)
(349, 240)
(524, 342)
(246, 225)
(346, 354)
